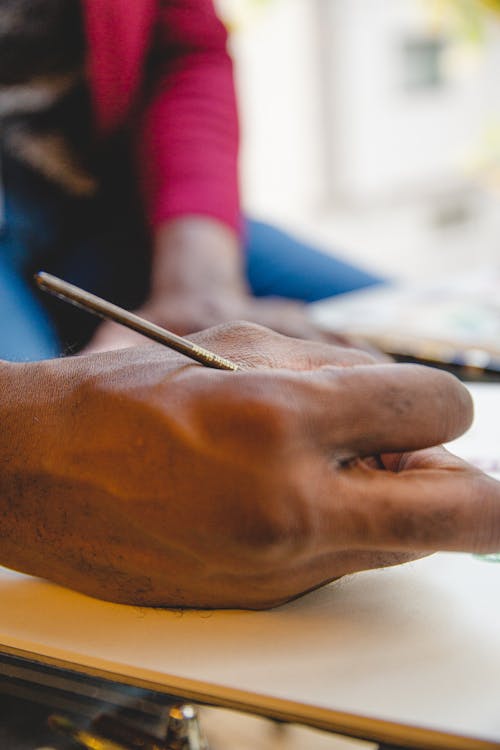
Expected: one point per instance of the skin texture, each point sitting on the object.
(198, 281)
(141, 477)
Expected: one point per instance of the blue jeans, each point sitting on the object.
(98, 244)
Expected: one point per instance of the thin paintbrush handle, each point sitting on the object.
(108, 311)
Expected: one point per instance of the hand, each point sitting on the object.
(185, 314)
(198, 281)
(141, 477)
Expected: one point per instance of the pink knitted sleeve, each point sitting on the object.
(188, 145)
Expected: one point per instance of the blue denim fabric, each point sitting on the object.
(97, 243)
(26, 331)
(282, 265)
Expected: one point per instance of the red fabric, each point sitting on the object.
(182, 111)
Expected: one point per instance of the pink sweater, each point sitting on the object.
(183, 116)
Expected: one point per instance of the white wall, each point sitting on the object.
(334, 148)
(277, 64)
(386, 139)
(325, 115)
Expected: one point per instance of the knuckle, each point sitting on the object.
(264, 533)
(256, 407)
(278, 527)
(351, 357)
(248, 344)
(237, 331)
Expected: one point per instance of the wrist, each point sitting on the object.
(16, 448)
(10, 377)
(198, 257)
(29, 393)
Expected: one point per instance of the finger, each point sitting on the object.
(440, 503)
(253, 346)
(353, 342)
(360, 411)
(437, 457)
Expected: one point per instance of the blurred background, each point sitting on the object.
(373, 127)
